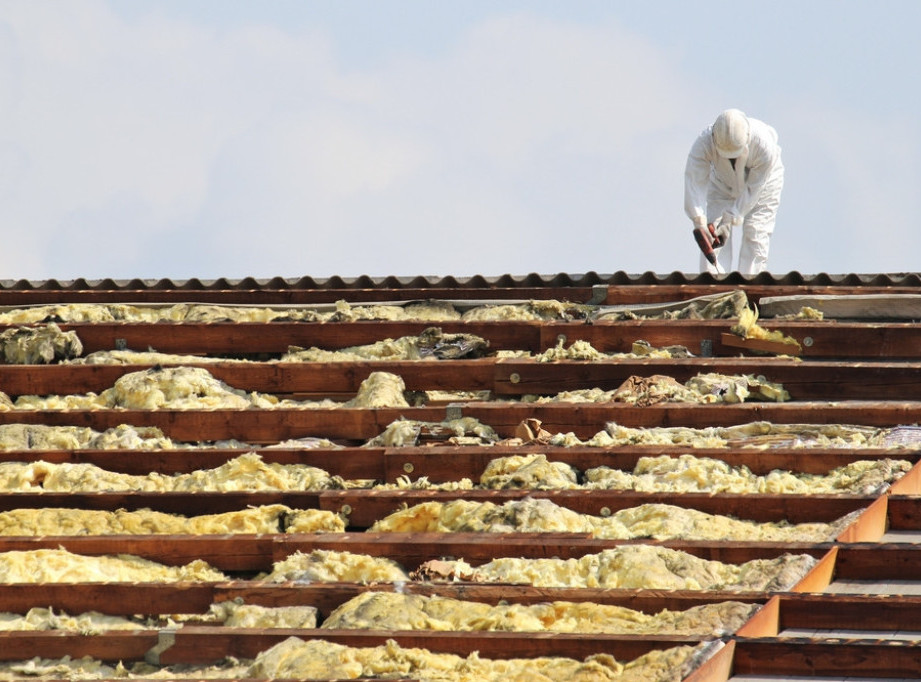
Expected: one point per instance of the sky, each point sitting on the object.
(227, 138)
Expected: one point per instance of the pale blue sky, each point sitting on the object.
(223, 138)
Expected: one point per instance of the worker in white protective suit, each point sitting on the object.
(733, 180)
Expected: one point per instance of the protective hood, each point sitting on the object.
(731, 133)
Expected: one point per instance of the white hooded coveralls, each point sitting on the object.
(750, 191)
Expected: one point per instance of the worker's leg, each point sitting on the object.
(759, 226)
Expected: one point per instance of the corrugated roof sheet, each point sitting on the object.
(472, 282)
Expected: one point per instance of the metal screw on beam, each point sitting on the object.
(706, 348)
(121, 344)
(561, 338)
(408, 467)
(807, 341)
(345, 510)
(514, 377)
(605, 512)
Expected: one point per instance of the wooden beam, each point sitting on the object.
(818, 339)
(812, 380)
(904, 512)
(232, 338)
(444, 463)
(326, 597)
(587, 419)
(893, 562)
(120, 599)
(440, 463)
(795, 657)
(261, 426)
(198, 645)
(314, 379)
(850, 612)
(347, 462)
(110, 646)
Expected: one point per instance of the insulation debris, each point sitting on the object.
(687, 473)
(247, 472)
(318, 659)
(380, 389)
(39, 345)
(659, 388)
(534, 310)
(533, 471)
(584, 351)
(61, 566)
(432, 343)
(631, 567)
(264, 519)
(88, 623)
(752, 435)
(409, 432)
(320, 566)
(747, 327)
(656, 521)
(43, 437)
(194, 388)
(233, 614)
(393, 611)
(713, 307)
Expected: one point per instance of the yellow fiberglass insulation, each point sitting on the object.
(392, 611)
(248, 472)
(268, 519)
(636, 566)
(318, 659)
(657, 521)
(321, 565)
(61, 566)
(687, 473)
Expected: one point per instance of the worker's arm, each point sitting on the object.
(697, 179)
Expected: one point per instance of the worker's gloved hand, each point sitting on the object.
(699, 222)
(720, 233)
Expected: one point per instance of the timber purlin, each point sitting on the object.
(347, 462)
(816, 380)
(210, 645)
(826, 339)
(440, 463)
(359, 424)
(367, 506)
(326, 597)
(859, 658)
